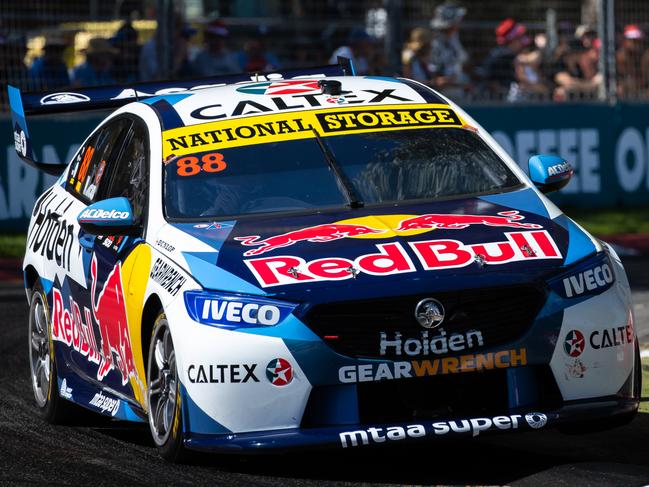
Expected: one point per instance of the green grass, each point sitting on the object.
(611, 222)
(12, 246)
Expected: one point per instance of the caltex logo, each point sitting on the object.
(294, 87)
(279, 372)
(574, 343)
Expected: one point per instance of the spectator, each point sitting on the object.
(125, 65)
(578, 77)
(97, 70)
(255, 56)
(554, 61)
(632, 63)
(530, 83)
(448, 56)
(359, 49)
(49, 72)
(587, 35)
(215, 58)
(13, 72)
(498, 70)
(416, 56)
(180, 66)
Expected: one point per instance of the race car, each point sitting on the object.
(313, 259)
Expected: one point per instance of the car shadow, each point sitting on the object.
(619, 453)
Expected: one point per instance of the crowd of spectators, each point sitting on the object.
(521, 65)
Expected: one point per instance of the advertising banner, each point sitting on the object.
(608, 146)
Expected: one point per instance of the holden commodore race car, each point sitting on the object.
(314, 259)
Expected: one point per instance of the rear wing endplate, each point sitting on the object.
(109, 97)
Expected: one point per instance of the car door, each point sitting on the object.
(87, 182)
(118, 271)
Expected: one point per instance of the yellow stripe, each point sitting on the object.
(279, 127)
(135, 275)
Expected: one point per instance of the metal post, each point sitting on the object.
(610, 51)
(603, 53)
(551, 30)
(393, 35)
(164, 38)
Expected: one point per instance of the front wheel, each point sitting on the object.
(164, 399)
(42, 365)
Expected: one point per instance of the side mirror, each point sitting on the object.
(549, 173)
(113, 216)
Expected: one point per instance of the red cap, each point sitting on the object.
(632, 31)
(509, 30)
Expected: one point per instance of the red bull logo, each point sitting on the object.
(388, 226)
(392, 258)
(317, 234)
(109, 314)
(73, 328)
(431, 221)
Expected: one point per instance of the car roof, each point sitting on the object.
(214, 103)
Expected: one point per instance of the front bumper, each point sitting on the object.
(327, 393)
(355, 436)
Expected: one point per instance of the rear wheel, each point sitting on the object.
(164, 400)
(51, 406)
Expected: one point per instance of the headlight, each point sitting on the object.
(591, 276)
(229, 311)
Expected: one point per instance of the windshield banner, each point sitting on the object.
(299, 125)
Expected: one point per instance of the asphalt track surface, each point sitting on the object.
(94, 451)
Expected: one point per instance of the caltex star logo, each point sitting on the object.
(574, 343)
(290, 87)
(279, 372)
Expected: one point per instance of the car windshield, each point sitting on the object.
(381, 167)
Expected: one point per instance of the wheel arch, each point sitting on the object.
(30, 276)
(150, 312)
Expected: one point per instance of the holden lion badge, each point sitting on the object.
(429, 313)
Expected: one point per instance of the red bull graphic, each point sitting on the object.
(406, 227)
(108, 313)
(392, 258)
(73, 328)
(509, 219)
(318, 234)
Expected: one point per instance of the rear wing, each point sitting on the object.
(110, 97)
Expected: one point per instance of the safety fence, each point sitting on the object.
(476, 51)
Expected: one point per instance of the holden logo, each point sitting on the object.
(429, 313)
(279, 372)
(574, 343)
(536, 420)
(66, 97)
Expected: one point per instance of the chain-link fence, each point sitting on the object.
(473, 50)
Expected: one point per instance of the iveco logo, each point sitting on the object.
(429, 313)
(66, 97)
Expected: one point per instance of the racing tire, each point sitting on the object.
(584, 427)
(163, 398)
(42, 364)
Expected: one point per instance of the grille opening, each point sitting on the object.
(466, 395)
(500, 315)
(433, 397)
